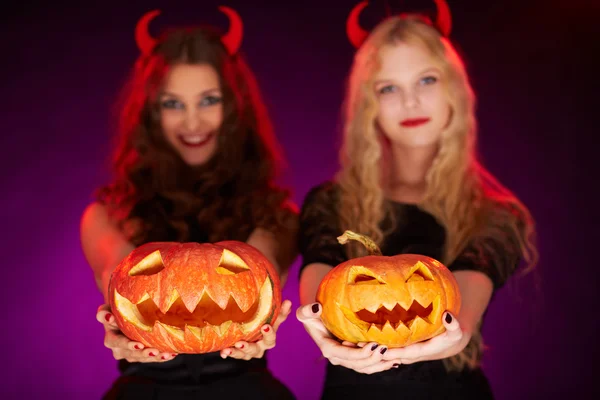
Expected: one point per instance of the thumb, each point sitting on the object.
(450, 321)
(105, 317)
(308, 312)
(286, 309)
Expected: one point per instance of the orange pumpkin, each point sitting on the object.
(394, 301)
(192, 297)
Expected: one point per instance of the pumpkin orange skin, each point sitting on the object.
(178, 289)
(380, 283)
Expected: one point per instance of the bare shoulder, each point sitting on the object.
(96, 223)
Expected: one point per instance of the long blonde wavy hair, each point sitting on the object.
(461, 194)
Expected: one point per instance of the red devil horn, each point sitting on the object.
(143, 38)
(356, 34)
(233, 38)
(444, 18)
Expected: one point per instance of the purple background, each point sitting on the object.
(62, 68)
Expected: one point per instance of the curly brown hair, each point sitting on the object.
(155, 193)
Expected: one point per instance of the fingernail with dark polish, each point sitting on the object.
(137, 347)
(382, 351)
(448, 318)
(267, 329)
(396, 365)
(374, 347)
(315, 308)
(107, 317)
(151, 354)
(164, 358)
(242, 346)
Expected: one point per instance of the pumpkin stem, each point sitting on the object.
(365, 240)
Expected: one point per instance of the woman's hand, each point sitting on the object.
(446, 344)
(246, 351)
(366, 358)
(121, 346)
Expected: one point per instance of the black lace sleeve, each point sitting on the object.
(495, 252)
(319, 228)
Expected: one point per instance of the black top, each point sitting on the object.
(187, 368)
(416, 232)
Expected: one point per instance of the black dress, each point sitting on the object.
(196, 376)
(416, 232)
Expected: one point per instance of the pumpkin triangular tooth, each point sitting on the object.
(374, 329)
(404, 303)
(167, 302)
(387, 329)
(195, 330)
(191, 303)
(225, 327)
(417, 321)
(162, 330)
(372, 308)
(222, 302)
(221, 329)
(402, 329)
(172, 330)
(142, 299)
(242, 301)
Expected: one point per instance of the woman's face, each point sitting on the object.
(191, 111)
(413, 107)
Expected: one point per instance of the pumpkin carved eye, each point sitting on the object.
(419, 272)
(363, 276)
(231, 264)
(150, 265)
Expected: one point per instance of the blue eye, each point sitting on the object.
(428, 80)
(387, 89)
(210, 100)
(172, 104)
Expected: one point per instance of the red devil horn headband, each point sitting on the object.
(357, 35)
(231, 40)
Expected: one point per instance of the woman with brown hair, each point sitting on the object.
(196, 162)
(410, 179)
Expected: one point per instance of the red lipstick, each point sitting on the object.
(409, 123)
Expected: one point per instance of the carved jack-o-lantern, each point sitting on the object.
(194, 298)
(394, 301)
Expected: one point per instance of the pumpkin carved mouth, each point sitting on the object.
(394, 317)
(177, 318)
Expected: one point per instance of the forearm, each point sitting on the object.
(279, 251)
(476, 292)
(311, 278)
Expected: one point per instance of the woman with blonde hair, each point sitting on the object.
(410, 179)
